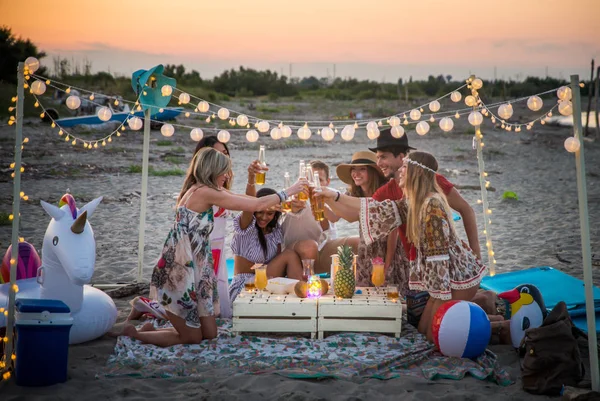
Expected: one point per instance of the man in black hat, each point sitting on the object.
(390, 154)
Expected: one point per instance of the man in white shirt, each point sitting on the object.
(312, 239)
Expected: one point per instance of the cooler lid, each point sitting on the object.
(31, 305)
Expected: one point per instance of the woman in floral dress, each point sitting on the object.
(440, 262)
(183, 288)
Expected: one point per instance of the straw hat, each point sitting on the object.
(359, 159)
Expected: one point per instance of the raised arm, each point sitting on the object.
(346, 207)
(458, 203)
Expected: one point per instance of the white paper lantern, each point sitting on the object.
(223, 136)
(135, 123)
(167, 130)
(104, 113)
(38, 87)
(422, 128)
(565, 107)
(372, 125)
(32, 63)
(455, 96)
(276, 133)
(505, 111)
(166, 90)
(434, 106)
(477, 84)
(327, 134)
(397, 132)
(304, 133)
(73, 102)
(470, 101)
(203, 106)
(223, 113)
(446, 124)
(373, 133)
(286, 131)
(241, 120)
(564, 93)
(263, 126)
(184, 98)
(252, 136)
(475, 118)
(394, 121)
(196, 134)
(535, 103)
(415, 114)
(348, 133)
(572, 144)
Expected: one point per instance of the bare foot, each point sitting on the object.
(129, 331)
(135, 315)
(148, 326)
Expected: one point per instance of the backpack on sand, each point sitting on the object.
(552, 359)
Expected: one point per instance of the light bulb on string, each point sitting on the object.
(286, 131)
(223, 113)
(565, 107)
(187, 113)
(457, 115)
(167, 130)
(397, 131)
(242, 120)
(104, 113)
(276, 133)
(92, 96)
(470, 101)
(327, 134)
(38, 87)
(372, 125)
(455, 96)
(196, 134)
(355, 125)
(535, 103)
(263, 126)
(348, 133)
(184, 98)
(373, 133)
(394, 121)
(431, 119)
(304, 132)
(475, 118)
(415, 114)
(477, 84)
(505, 111)
(331, 125)
(446, 124)
(166, 90)
(564, 93)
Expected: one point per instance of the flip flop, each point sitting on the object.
(150, 306)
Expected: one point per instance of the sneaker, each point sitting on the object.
(150, 306)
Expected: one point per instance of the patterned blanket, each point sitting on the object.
(348, 356)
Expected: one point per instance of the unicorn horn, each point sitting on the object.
(79, 224)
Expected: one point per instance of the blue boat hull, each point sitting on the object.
(167, 114)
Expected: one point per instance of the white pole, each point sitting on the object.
(144, 195)
(585, 235)
(10, 321)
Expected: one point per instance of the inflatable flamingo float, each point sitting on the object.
(68, 260)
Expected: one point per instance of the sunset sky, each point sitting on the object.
(376, 39)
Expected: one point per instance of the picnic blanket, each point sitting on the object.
(348, 356)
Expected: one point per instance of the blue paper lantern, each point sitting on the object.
(147, 84)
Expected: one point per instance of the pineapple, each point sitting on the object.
(344, 282)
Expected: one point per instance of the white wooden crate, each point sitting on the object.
(274, 313)
(366, 312)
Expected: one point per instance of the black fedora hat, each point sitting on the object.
(386, 140)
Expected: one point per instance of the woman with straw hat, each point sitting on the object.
(362, 174)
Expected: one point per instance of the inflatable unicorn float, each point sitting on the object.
(68, 260)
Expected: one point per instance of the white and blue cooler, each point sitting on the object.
(42, 343)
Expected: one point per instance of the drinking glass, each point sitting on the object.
(307, 269)
(392, 293)
(378, 276)
(260, 279)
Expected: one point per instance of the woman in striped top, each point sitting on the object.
(257, 239)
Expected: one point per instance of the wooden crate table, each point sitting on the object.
(366, 312)
(274, 313)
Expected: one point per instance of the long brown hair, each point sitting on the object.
(376, 180)
(206, 166)
(419, 184)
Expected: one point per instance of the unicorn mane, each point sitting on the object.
(67, 199)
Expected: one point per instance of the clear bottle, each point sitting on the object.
(317, 202)
(286, 205)
(302, 173)
(261, 176)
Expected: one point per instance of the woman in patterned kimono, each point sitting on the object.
(183, 288)
(440, 262)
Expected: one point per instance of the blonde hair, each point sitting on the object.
(376, 180)
(419, 183)
(205, 167)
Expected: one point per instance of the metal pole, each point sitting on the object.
(144, 195)
(10, 321)
(585, 235)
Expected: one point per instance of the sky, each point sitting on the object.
(381, 40)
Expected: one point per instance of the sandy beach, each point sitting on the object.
(541, 228)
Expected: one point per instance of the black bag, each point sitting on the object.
(552, 359)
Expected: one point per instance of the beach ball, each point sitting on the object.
(27, 263)
(461, 329)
